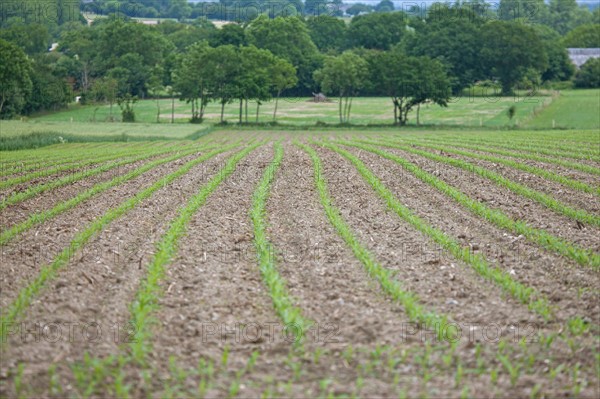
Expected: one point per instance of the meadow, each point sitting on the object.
(463, 110)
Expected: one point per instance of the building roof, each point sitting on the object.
(579, 56)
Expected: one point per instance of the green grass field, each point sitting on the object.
(15, 128)
(462, 111)
(572, 109)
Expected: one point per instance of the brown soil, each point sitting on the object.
(23, 257)
(556, 277)
(361, 343)
(584, 177)
(514, 205)
(575, 198)
(95, 289)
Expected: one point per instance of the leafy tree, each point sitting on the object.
(359, 8)
(409, 81)
(190, 34)
(144, 41)
(79, 44)
(254, 81)
(32, 38)
(233, 34)
(15, 78)
(223, 65)
(49, 92)
(283, 76)
(315, 7)
(192, 79)
(451, 35)
(509, 50)
(126, 104)
(584, 36)
(289, 39)
(377, 30)
(344, 75)
(384, 6)
(566, 15)
(179, 9)
(560, 66)
(589, 74)
(531, 11)
(327, 32)
(105, 90)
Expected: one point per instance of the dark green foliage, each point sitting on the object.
(589, 74)
(126, 104)
(510, 50)
(452, 35)
(15, 80)
(377, 30)
(327, 32)
(584, 36)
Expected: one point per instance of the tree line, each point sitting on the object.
(409, 58)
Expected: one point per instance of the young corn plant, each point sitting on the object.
(43, 216)
(520, 189)
(50, 271)
(572, 183)
(389, 285)
(518, 155)
(284, 306)
(146, 301)
(541, 237)
(526, 295)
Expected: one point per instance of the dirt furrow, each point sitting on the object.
(23, 257)
(90, 298)
(575, 198)
(19, 212)
(214, 293)
(584, 177)
(442, 283)
(514, 205)
(567, 285)
(323, 275)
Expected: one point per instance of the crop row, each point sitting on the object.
(32, 191)
(146, 301)
(520, 148)
(520, 189)
(556, 161)
(90, 375)
(539, 236)
(90, 160)
(50, 271)
(575, 184)
(526, 295)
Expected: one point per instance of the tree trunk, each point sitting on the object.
(340, 100)
(257, 108)
(222, 110)
(418, 110)
(241, 109)
(203, 103)
(276, 104)
(246, 106)
(173, 107)
(349, 109)
(157, 110)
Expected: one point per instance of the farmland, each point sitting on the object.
(333, 263)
